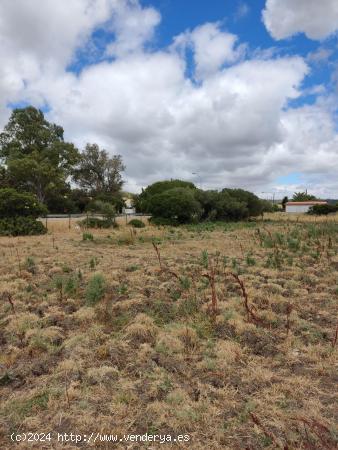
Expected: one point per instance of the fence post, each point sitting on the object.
(47, 222)
(69, 223)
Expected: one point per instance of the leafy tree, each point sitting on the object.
(142, 202)
(253, 203)
(62, 202)
(221, 206)
(14, 204)
(35, 156)
(18, 213)
(303, 197)
(97, 173)
(80, 199)
(209, 201)
(105, 209)
(4, 180)
(284, 202)
(230, 207)
(178, 204)
(268, 206)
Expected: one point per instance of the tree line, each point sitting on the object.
(36, 159)
(41, 172)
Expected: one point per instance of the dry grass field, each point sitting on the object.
(226, 333)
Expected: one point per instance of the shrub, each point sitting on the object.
(95, 222)
(96, 289)
(66, 285)
(106, 209)
(136, 223)
(21, 226)
(87, 237)
(142, 201)
(253, 204)
(323, 209)
(161, 221)
(14, 204)
(176, 204)
(230, 204)
(30, 265)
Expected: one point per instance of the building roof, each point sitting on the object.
(310, 203)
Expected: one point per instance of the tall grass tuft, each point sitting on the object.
(96, 289)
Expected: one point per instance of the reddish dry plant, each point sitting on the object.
(335, 337)
(251, 316)
(288, 311)
(267, 433)
(162, 268)
(174, 274)
(158, 255)
(259, 234)
(66, 389)
(18, 258)
(242, 250)
(321, 431)
(8, 296)
(211, 276)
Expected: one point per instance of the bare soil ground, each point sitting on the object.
(226, 333)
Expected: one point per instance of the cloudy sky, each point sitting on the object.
(235, 93)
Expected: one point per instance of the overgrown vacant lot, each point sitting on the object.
(223, 332)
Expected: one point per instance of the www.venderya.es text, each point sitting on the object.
(51, 437)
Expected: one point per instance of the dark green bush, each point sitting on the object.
(253, 204)
(21, 226)
(162, 221)
(136, 223)
(107, 210)
(14, 203)
(96, 289)
(320, 210)
(142, 201)
(177, 204)
(87, 237)
(95, 222)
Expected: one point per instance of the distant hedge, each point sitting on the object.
(184, 203)
(21, 226)
(95, 222)
(136, 223)
(320, 210)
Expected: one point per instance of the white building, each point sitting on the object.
(129, 208)
(301, 207)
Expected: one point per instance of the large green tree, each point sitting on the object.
(178, 204)
(142, 202)
(253, 204)
(98, 174)
(34, 155)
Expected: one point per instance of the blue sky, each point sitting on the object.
(243, 93)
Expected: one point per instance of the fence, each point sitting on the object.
(68, 218)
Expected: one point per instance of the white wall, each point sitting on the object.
(297, 208)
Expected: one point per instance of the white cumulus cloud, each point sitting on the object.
(318, 19)
(211, 47)
(232, 122)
